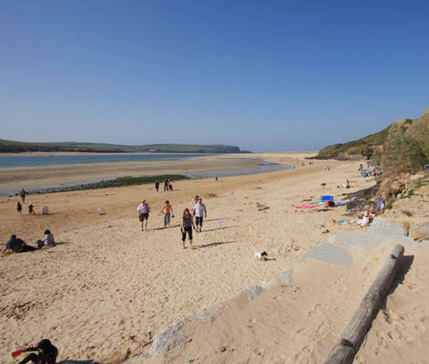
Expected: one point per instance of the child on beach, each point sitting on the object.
(49, 239)
(186, 227)
(19, 207)
(143, 210)
(167, 210)
(31, 209)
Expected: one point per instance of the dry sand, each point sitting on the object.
(108, 287)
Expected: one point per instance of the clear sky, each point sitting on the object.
(265, 75)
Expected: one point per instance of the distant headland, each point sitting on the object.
(9, 146)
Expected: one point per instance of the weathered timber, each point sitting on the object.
(351, 339)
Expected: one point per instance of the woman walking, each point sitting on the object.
(187, 225)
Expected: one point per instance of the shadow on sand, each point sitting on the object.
(211, 245)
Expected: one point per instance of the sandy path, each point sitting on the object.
(110, 284)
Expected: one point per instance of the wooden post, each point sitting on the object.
(347, 347)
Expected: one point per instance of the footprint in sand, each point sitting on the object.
(317, 310)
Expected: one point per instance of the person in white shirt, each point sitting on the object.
(199, 211)
(143, 210)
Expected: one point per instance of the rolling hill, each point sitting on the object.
(9, 146)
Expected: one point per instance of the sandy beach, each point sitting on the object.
(108, 287)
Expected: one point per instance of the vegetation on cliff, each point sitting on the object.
(8, 146)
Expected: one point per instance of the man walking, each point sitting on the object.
(199, 211)
(167, 210)
(143, 210)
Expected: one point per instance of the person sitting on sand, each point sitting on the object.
(49, 239)
(365, 221)
(46, 353)
(167, 210)
(199, 211)
(143, 210)
(186, 227)
(16, 245)
(19, 207)
(31, 209)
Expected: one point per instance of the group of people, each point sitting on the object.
(17, 245)
(199, 212)
(168, 186)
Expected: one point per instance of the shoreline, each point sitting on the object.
(13, 179)
(263, 167)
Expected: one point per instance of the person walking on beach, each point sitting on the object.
(143, 210)
(195, 200)
(166, 182)
(199, 211)
(186, 227)
(31, 209)
(22, 195)
(157, 186)
(167, 210)
(19, 207)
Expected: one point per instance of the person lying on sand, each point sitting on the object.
(16, 245)
(167, 210)
(186, 227)
(46, 353)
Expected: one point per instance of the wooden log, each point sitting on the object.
(352, 337)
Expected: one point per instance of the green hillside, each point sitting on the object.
(8, 146)
(402, 147)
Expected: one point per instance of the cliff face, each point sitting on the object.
(403, 147)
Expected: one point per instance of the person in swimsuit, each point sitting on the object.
(186, 227)
(46, 353)
(167, 210)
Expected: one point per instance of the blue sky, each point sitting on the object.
(266, 75)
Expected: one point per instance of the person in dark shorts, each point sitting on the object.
(157, 186)
(19, 207)
(31, 209)
(16, 245)
(46, 353)
(22, 195)
(186, 227)
(166, 182)
(143, 210)
(200, 212)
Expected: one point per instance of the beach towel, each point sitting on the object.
(307, 206)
